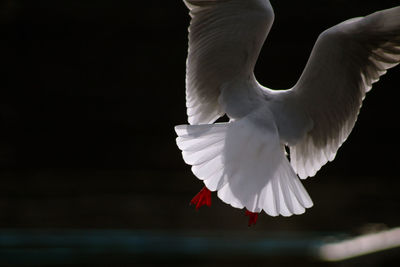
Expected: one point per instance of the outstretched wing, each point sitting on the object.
(225, 38)
(346, 60)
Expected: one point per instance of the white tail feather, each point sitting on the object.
(245, 164)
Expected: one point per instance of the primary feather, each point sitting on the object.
(346, 60)
(244, 160)
(225, 38)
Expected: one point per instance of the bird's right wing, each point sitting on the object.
(225, 38)
(346, 60)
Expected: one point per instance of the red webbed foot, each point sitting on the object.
(252, 217)
(202, 198)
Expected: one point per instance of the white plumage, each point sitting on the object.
(244, 159)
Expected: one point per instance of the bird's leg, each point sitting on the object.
(202, 198)
(252, 217)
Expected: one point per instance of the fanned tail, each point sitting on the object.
(246, 164)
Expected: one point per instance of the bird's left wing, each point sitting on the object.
(225, 38)
(346, 60)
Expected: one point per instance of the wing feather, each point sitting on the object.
(225, 38)
(346, 60)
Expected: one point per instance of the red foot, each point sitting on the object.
(252, 217)
(202, 198)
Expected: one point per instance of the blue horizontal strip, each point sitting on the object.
(49, 247)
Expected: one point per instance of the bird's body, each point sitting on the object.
(245, 159)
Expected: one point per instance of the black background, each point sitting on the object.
(91, 91)
(100, 84)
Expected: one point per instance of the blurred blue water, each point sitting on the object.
(51, 247)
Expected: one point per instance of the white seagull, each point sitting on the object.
(244, 160)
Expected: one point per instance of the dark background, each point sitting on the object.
(91, 91)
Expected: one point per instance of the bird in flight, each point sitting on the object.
(245, 160)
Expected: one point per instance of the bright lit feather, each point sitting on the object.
(244, 160)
